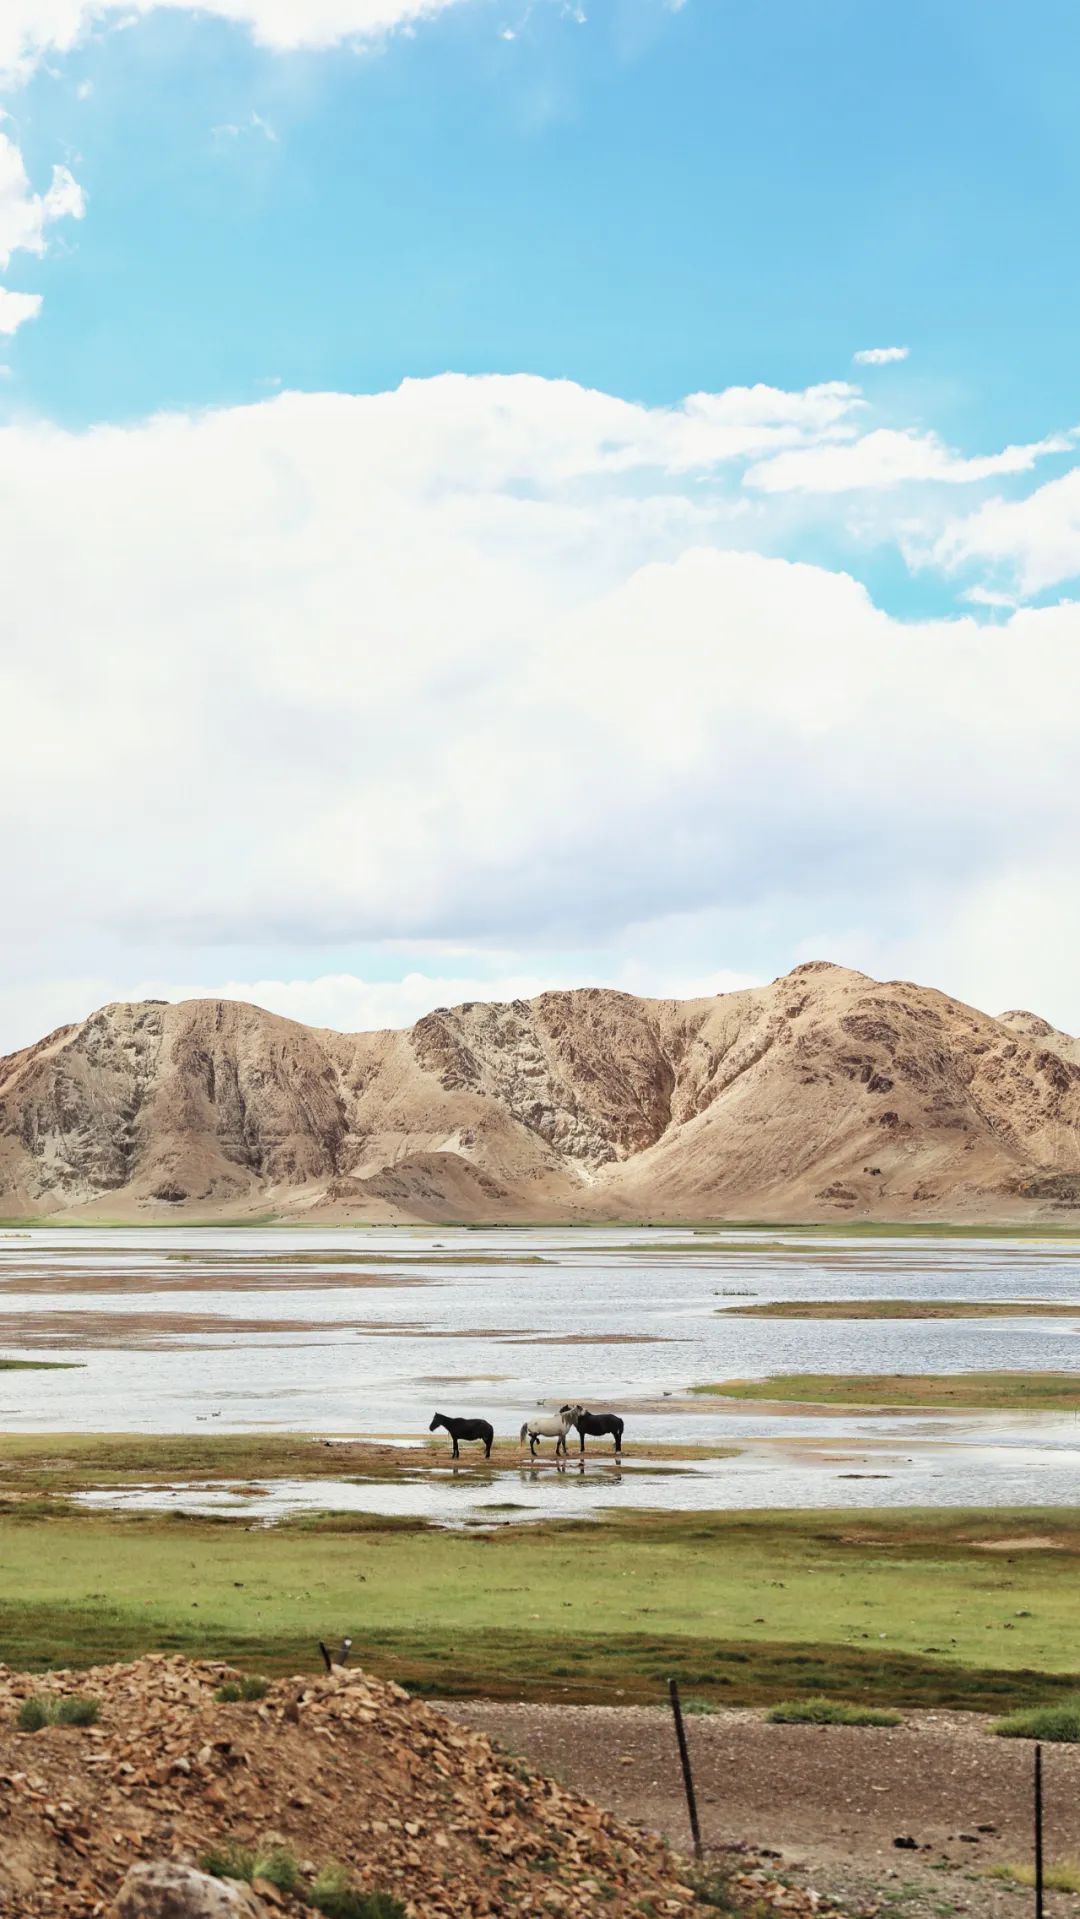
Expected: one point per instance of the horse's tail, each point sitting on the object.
(523, 1434)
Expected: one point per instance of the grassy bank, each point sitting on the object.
(57, 1464)
(963, 1392)
(898, 1609)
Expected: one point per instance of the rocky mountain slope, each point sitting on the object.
(823, 1095)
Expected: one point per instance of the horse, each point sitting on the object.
(465, 1429)
(596, 1423)
(555, 1428)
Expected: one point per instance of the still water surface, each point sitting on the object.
(367, 1332)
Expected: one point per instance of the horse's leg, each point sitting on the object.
(455, 1454)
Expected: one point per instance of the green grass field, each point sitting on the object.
(900, 1609)
(956, 1392)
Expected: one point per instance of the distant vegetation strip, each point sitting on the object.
(964, 1392)
(904, 1309)
(40, 1365)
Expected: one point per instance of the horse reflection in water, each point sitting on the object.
(598, 1424)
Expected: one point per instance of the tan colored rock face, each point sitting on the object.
(163, 1890)
(825, 1094)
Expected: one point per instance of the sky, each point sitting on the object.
(501, 494)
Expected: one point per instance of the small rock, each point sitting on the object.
(906, 1843)
(163, 1890)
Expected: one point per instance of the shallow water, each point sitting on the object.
(460, 1321)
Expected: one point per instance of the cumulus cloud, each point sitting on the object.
(880, 355)
(481, 660)
(25, 219)
(1034, 541)
(25, 216)
(890, 457)
(15, 308)
(31, 28)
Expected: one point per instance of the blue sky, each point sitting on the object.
(486, 684)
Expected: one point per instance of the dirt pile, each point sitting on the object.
(823, 1095)
(343, 1769)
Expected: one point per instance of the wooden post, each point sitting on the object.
(327, 1660)
(1038, 1834)
(684, 1760)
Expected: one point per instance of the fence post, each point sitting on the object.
(1038, 1834)
(688, 1777)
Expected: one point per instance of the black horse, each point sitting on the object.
(465, 1429)
(598, 1423)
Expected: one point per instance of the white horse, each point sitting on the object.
(556, 1427)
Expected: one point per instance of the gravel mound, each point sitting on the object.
(344, 1769)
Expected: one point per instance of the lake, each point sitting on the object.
(367, 1332)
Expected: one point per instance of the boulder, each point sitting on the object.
(165, 1890)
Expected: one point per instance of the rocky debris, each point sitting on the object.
(164, 1890)
(339, 1769)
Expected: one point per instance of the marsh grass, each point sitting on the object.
(40, 1365)
(963, 1392)
(830, 1712)
(1058, 1724)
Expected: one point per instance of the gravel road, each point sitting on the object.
(831, 1800)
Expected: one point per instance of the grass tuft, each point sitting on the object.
(333, 1895)
(1059, 1724)
(277, 1867)
(712, 1888)
(42, 1710)
(1062, 1877)
(77, 1710)
(249, 1686)
(229, 1861)
(830, 1712)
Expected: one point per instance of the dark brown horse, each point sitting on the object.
(597, 1424)
(465, 1429)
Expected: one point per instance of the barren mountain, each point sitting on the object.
(823, 1095)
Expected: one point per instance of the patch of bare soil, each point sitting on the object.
(832, 1801)
(256, 1278)
(1026, 1543)
(343, 1767)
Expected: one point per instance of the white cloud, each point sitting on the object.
(1035, 541)
(15, 308)
(890, 457)
(343, 1001)
(25, 219)
(476, 661)
(25, 216)
(31, 28)
(880, 355)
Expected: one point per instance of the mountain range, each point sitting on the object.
(825, 1095)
